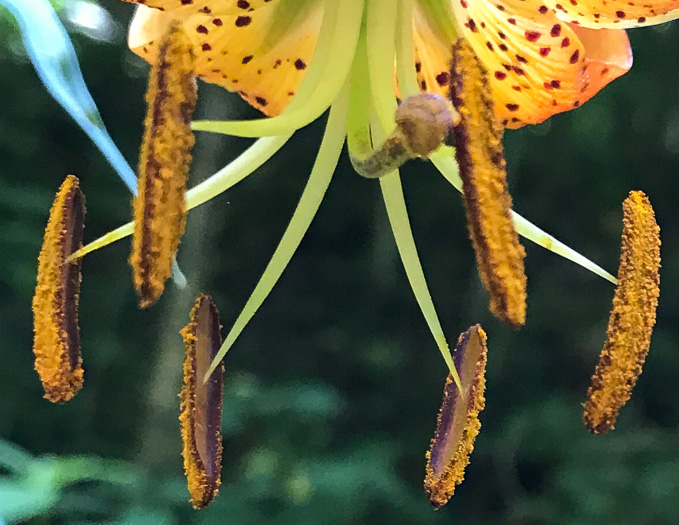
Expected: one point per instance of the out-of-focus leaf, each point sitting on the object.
(56, 63)
(13, 457)
(20, 501)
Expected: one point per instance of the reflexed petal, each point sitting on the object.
(221, 7)
(617, 14)
(262, 55)
(538, 65)
(607, 54)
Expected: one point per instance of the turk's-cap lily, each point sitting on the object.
(295, 59)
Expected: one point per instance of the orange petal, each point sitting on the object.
(263, 56)
(607, 56)
(615, 13)
(538, 65)
(221, 7)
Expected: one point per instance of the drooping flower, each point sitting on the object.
(295, 59)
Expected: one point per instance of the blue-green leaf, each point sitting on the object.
(51, 51)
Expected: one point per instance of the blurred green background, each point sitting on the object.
(332, 391)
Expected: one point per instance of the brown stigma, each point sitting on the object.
(632, 317)
(56, 341)
(479, 153)
(165, 157)
(458, 421)
(201, 403)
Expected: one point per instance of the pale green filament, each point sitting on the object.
(384, 106)
(309, 202)
(234, 172)
(444, 158)
(329, 68)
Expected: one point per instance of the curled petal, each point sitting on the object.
(201, 403)
(632, 318)
(619, 14)
(479, 153)
(458, 421)
(159, 207)
(56, 342)
(262, 55)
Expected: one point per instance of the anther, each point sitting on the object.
(632, 317)
(56, 342)
(201, 403)
(159, 208)
(479, 153)
(458, 420)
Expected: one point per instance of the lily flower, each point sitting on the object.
(515, 62)
(294, 59)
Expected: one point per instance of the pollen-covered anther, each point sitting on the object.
(201, 403)
(56, 342)
(632, 317)
(159, 208)
(478, 140)
(458, 420)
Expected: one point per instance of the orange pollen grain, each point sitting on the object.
(458, 420)
(201, 403)
(165, 157)
(56, 341)
(479, 153)
(632, 317)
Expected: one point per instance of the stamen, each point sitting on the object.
(201, 403)
(231, 174)
(56, 342)
(309, 202)
(458, 421)
(632, 316)
(159, 208)
(478, 139)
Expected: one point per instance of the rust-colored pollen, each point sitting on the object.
(632, 316)
(56, 341)
(458, 420)
(201, 403)
(478, 139)
(159, 207)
